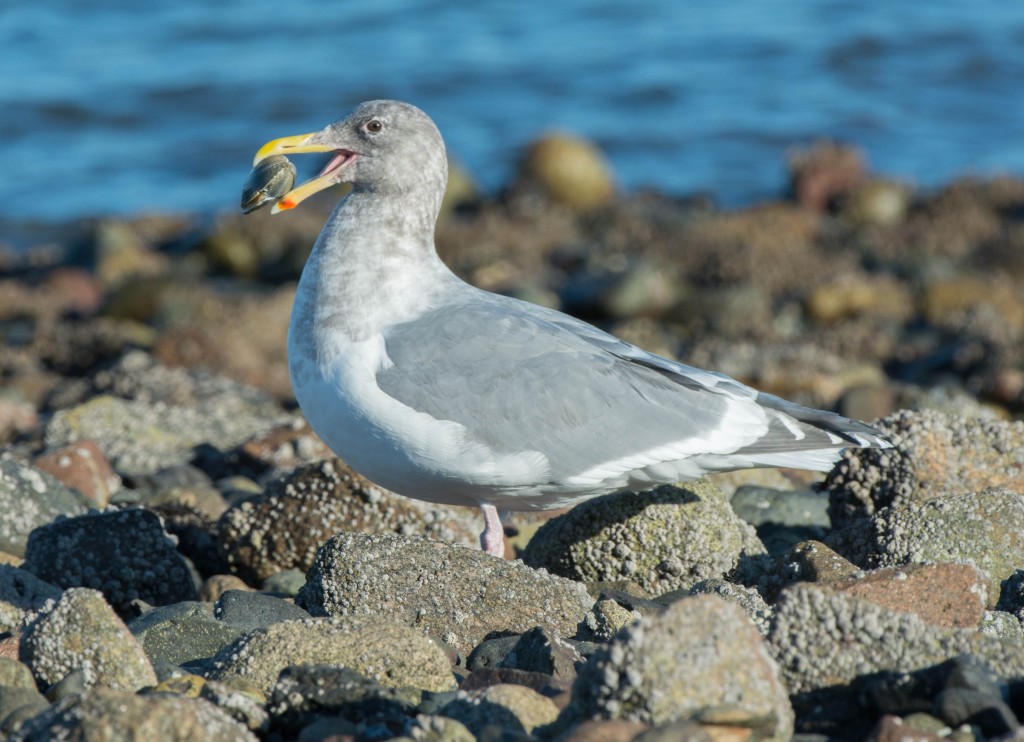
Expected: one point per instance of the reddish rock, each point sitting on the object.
(825, 171)
(84, 467)
(950, 595)
(216, 585)
(9, 646)
(77, 290)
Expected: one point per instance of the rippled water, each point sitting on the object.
(121, 106)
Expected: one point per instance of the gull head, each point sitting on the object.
(382, 146)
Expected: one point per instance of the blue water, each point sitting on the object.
(120, 107)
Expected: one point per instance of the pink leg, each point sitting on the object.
(492, 540)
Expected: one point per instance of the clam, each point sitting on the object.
(267, 182)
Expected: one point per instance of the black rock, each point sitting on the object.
(124, 554)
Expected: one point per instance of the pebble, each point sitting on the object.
(455, 593)
(515, 708)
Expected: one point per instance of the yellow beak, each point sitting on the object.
(297, 144)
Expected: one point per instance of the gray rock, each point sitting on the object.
(391, 655)
(936, 455)
(538, 650)
(747, 598)
(282, 529)
(491, 652)
(14, 674)
(286, 582)
(1002, 625)
(125, 554)
(456, 593)
(22, 595)
(665, 539)
(18, 704)
(30, 498)
(108, 714)
(83, 633)
(429, 728)
(247, 610)
(702, 653)
(302, 692)
(783, 518)
(182, 633)
(824, 640)
(142, 437)
(607, 618)
(514, 708)
(983, 529)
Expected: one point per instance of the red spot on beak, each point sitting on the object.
(284, 204)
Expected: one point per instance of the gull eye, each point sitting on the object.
(374, 126)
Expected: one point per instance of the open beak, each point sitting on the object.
(300, 144)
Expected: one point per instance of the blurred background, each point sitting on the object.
(114, 108)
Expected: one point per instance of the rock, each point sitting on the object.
(491, 653)
(569, 170)
(282, 449)
(982, 528)
(125, 554)
(282, 529)
(747, 598)
(665, 539)
(182, 633)
(950, 595)
(246, 610)
(605, 730)
(699, 654)
(82, 467)
(17, 705)
(856, 296)
(638, 290)
(109, 714)
(825, 640)
(17, 416)
(125, 431)
(894, 729)
(820, 173)
(455, 593)
(30, 498)
(512, 707)
(538, 650)
(245, 705)
(14, 674)
(22, 595)
(216, 585)
(605, 620)
(385, 652)
(426, 728)
(782, 518)
(304, 692)
(83, 632)
(882, 203)
(936, 455)
(287, 583)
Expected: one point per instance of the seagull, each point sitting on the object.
(441, 391)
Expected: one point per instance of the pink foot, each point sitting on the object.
(492, 540)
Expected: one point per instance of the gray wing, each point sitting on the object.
(519, 377)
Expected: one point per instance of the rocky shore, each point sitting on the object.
(181, 558)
